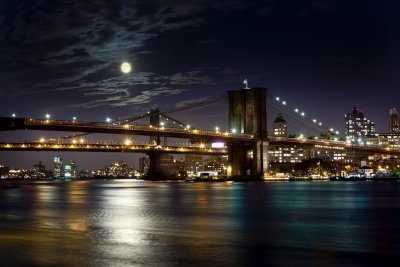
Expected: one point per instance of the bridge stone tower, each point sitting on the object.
(248, 115)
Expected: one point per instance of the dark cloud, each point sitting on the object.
(208, 41)
(191, 77)
(324, 4)
(79, 44)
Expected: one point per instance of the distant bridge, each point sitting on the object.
(111, 148)
(194, 149)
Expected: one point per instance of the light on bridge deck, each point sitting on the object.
(127, 142)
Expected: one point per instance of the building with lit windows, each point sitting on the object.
(193, 163)
(279, 126)
(216, 163)
(70, 170)
(358, 127)
(39, 170)
(394, 125)
(390, 140)
(144, 164)
(4, 171)
(286, 154)
(58, 170)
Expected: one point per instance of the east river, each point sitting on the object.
(143, 223)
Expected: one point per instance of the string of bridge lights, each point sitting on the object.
(302, 114)
(108, 120)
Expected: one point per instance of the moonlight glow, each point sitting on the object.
(126, 67)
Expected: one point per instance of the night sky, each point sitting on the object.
(64, 57)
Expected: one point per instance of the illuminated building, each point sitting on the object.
(394, 125)
(4, 171)
(217, 164)
(295, 154)
(58, 170)
(389, 140)
(70, 170)
(144, 164)
(279, 126)
(40, 167)
(286, 154)
(358, 127)
(39, 170)
(193, 163)
(119, 169)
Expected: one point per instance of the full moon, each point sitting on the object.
(126, 67)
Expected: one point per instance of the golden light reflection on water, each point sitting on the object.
(105, 223)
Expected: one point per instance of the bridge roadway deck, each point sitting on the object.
(332, 145)
(110, 148)
(116, 128)
(314, 144)
(206, 135)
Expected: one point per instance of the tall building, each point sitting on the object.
(144, 164)
(58, 170)
(4, 171)
(39, 170)
(358, 127)
(279, 126)
(70, 170)
(394, 125)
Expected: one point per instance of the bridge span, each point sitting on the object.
(194, 149)
(247, 142)
(8, 124)
(35, 146)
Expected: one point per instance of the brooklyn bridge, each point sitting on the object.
(246, 143)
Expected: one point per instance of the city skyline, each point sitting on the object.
(325, 57)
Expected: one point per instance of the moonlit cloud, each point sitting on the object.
(77, 46)
(121, 98)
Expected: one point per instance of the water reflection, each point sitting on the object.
(142, 223)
